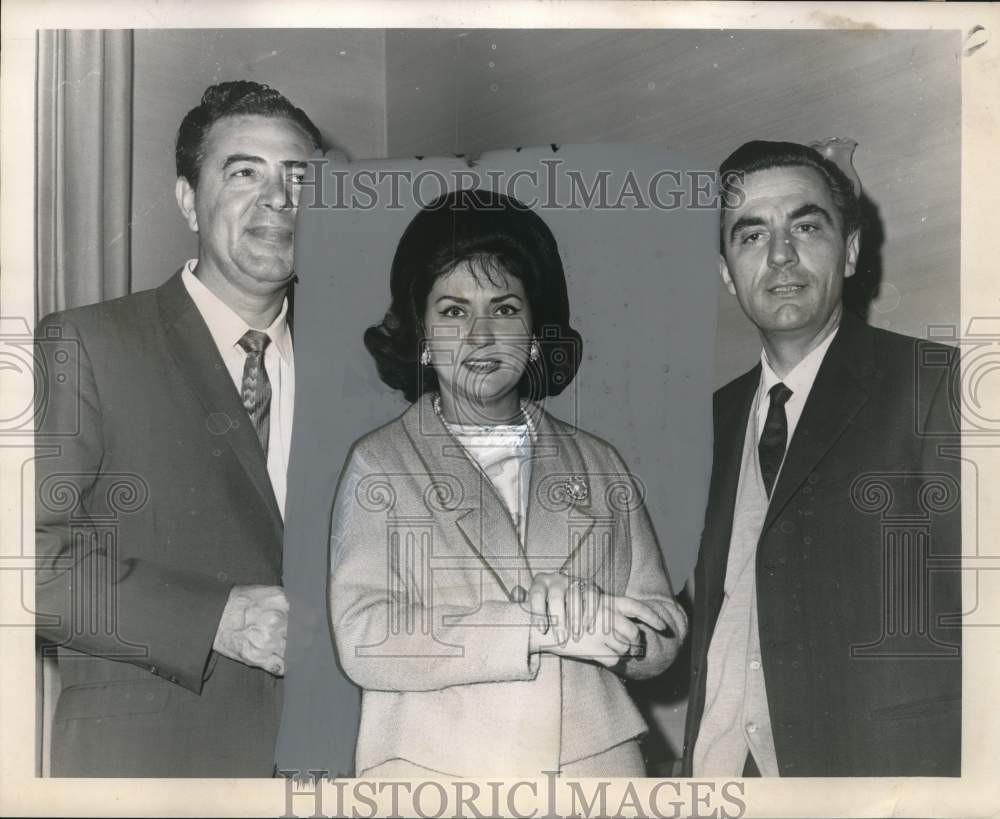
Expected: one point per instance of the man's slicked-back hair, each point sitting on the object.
(760, 155)
(232, 99)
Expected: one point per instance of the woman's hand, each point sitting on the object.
(576, 619)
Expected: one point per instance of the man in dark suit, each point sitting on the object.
(161, 467)
(826, 634)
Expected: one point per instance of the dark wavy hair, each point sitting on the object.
(232, 99)
(500, 235)
(760, 155)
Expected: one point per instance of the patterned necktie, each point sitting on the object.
(256, 390)
(774, 438)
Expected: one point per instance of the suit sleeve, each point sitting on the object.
(648, 582)
(389, 635)
(92, 596)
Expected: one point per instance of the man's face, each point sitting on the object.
(244, 207)
(785, 256)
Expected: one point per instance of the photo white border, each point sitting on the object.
(978, 791)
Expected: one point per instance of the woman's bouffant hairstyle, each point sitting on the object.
(497, 234)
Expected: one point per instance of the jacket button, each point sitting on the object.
(518, 594)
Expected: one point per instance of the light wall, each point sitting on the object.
(704, 93)
(378, 93)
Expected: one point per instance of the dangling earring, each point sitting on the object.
(534, 353)
(425, 356)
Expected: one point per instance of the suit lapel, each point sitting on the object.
(480, 516)
(193, 348)
(836, 397)
(560, 502)
(732, 413)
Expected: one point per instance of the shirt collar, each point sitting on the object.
(226, 327)
(802, 376)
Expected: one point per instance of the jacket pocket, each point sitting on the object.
(112, 699)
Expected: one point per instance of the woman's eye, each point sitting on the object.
(453, 312)
(507, 310)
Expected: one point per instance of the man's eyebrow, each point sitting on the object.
(811, 209)
(808, 209)
(745, 222)
(232, 159)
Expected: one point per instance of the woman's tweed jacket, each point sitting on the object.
(426, 565)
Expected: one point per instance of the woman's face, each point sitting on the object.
(478, 329)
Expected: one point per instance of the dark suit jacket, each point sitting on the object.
(863, 678)
(152, 501)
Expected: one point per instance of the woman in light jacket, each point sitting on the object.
(494, 574)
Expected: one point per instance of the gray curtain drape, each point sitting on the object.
(83, 170)
(83, 201)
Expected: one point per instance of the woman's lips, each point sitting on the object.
(481, 365)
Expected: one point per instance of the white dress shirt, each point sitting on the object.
(503, 453)
(736, 718)
(799, 381)
(227, 328)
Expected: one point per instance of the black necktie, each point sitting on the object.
(256, 390)
(774, 438)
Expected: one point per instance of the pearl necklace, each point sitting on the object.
(528, 422)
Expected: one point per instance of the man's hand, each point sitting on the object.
(585, 623)
(253, 627)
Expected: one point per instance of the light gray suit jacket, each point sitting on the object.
(426, 564)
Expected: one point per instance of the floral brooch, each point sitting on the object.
(576, 488)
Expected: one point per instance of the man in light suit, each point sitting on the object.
(161, 469)
(826, 635)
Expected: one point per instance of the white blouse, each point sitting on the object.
(503, 453)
